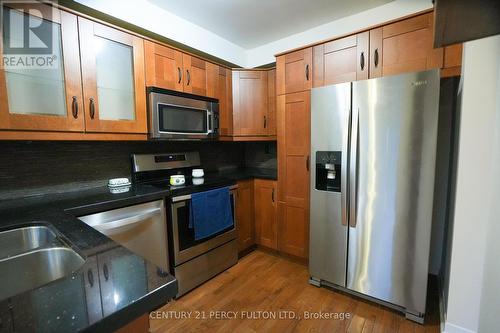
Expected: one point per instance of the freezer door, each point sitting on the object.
(392, 169)
(330, 107)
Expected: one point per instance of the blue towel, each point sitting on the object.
(210, 212)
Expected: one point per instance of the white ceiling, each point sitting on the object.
(252, 23)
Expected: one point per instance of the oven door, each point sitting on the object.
(184, 244)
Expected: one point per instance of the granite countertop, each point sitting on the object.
(72, 303)
(84, 300)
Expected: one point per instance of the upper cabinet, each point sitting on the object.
(113, 79)
(96, 85)
(171, 69)
(253, 106)
(341, 60)
(407, 46)
(403, 46)
(195, 71)
(250, 103)
(294, 72)
(163, 66)
(224, 93)
(43, 99)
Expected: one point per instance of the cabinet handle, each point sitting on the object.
(265, 121)
(105, 271)
(307, 72)
(362, 60)
(180, 74)
(92, 108)
(188, 77)
(272, 195)
(90, 277)
(74, 107)
(375, 57)
(307, 163)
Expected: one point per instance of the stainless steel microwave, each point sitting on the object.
(175, 115)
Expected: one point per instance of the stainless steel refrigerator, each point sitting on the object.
(373, 151)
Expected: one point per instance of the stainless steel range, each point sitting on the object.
(192, 261)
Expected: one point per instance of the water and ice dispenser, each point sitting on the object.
(328, 170)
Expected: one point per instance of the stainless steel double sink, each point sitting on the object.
(33, 256)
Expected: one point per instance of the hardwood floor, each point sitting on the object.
(265, 284)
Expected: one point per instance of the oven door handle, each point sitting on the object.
(188, 196)
(127, 221)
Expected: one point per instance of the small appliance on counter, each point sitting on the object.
(193, 260)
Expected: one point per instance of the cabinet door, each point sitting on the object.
(113, 79)
(341, 60)
(293, 168)
(44, 98)
(265, 213)
(224, 95)
(195, 71)
(375, 66)
(245, 215)
(294, 72)
(271, 97)
(163, 66)
(212, 80)
(250, 103)
(408, 46)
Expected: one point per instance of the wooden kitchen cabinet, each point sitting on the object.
(195, 71)
(271, 98)
(266, 231)
(294, 71)
(245, 215)
(44, 100)
(341, 60)
(250, 103)
(407, 46)
(293, 118)
(452, 61)
(224, 93)
(163, 66)
(170, 69)
(113, 79)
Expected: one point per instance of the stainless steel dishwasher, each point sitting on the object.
(140, 228)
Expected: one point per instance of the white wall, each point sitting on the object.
(489, 320)
(265, 54)
(475, 193)
(153, 18)
(148, 16)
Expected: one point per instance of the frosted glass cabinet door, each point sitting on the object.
(46, 98)
(113, 79)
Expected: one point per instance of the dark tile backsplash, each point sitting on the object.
(261, 155)
(38, 167)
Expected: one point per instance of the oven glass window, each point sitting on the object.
(186, 234)
(176, 119)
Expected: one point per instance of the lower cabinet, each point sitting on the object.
(266, 233)
(245, 215)
(256, 214)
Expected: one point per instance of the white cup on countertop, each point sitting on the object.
(197, 173)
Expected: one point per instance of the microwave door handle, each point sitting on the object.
(209, 122)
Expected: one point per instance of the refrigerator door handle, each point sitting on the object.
(353, 168)
(344, 188)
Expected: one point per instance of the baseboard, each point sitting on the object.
(451, 328)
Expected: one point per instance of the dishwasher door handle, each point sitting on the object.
(126, 221)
